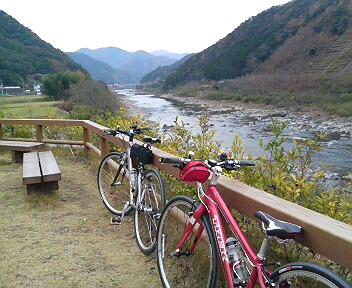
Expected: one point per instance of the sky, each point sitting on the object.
(181, 26)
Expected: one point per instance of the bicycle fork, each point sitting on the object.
(192, 227)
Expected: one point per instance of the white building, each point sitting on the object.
(36, 89)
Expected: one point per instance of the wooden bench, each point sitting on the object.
(18, 148)
(40, 171)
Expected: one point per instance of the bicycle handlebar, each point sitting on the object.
(240, 162)
(130, 132)
(110, 132)
(227, 164)
(174, 160)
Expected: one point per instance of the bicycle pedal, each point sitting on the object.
(116, 220)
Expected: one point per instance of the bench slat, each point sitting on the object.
(31, 169)
(50, 169)
(20, 146)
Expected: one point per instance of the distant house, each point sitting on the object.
(36, 89)
(10, 90)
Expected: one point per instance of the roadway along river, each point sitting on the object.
(254, 124)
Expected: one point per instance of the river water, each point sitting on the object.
(254, 124)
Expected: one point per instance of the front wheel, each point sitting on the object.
(190, 266)
(151, 203)
(113, 183)
(301, 274)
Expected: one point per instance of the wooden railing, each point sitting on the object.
(322, 234)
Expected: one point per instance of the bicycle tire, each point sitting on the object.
(114, 194)
(302, 274)
(196, 270)
(147, 214)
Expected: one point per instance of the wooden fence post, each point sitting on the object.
(1, 133)
(104, 147)
(86, 139)
(39, 129)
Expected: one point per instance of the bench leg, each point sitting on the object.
(43, 187)
(17, 156)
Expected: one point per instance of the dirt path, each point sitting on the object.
(65, 239)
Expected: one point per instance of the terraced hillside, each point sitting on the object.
(337, 59)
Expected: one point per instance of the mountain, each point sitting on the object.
(24, 56)
(111, 55)
(168, 54)
(137, 63)
(160, 73)
(290, 39)
(102, 71)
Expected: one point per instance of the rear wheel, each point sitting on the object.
(113, 183)
(310, 275)
(147, 215)
(185, 268)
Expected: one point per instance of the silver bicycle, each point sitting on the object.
(125, 184)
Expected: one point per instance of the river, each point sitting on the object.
(253, 124)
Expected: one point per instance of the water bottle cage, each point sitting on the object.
(235, 264)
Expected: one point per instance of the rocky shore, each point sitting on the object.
(306, 118)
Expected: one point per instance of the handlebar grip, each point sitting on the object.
(246, 163)
(146, 129)
(171, 160)
(109, 132)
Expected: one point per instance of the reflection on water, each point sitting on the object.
(254, 125)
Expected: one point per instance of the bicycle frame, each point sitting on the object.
(127, 157)
(139, 172)
(215, 207)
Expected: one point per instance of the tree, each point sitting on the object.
(56, 85)
(95, 95)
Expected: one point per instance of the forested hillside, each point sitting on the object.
(301, 36)
(24, 56)
(160, 73)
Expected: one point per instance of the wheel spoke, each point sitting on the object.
(185, 267)
(114, 194)
(145, 221)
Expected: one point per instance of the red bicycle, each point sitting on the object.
(191, 236)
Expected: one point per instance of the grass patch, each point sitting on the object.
(37, 106)
(64, 239)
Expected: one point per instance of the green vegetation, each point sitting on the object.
(93, 98)
(284, 173)
(56, 85)
(87, 99)
(35, 106)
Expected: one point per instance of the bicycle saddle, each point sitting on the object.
(151, 140)
(275, 227)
